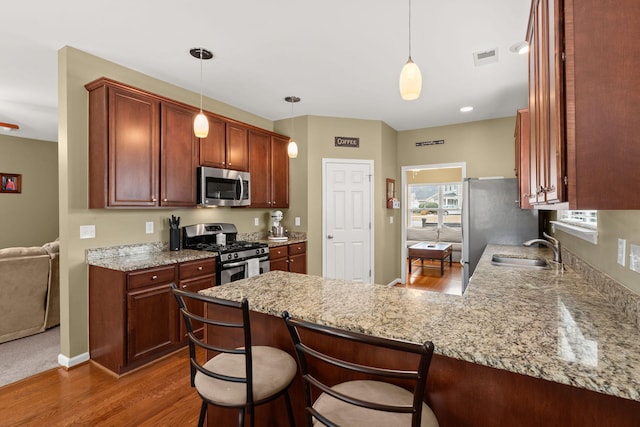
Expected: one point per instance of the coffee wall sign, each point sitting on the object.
(345, 141)
(427, 143)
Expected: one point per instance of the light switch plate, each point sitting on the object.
(634, 258)
(149, 227)
(298, 220)
(256, 221)
(87, 231)
(390, 220)
(622, 250)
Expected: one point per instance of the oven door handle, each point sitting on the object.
(234, 264)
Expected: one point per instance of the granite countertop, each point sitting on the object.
(136, 257)
(547, 324)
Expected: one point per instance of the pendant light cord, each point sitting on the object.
(201, 79)
(409, 29)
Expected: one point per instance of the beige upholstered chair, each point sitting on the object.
(242, 377)
(371, 399)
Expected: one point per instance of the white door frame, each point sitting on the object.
(370, 163)
(404, 207)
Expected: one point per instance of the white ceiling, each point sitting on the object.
(342, 57)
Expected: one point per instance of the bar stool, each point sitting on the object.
(242, 377)
(369, 400)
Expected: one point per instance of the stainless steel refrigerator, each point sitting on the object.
(490, 214)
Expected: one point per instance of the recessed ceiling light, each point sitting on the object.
(466, 109)
(520, 48)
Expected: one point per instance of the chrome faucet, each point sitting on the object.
(551, 243)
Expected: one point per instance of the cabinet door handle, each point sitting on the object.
(153, 199)
(154, 277)
(184, 286)
(200, 268)
(329, 236)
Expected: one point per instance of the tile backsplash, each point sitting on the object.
(622, 298)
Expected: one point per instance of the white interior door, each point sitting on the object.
(347, 219)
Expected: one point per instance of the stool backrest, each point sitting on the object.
(319, 351)
(239, 326)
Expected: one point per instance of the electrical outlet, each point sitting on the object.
(390, 220)
(634, 258)
(297, 220)
(622, 247)
(87, 231)
(149, 227)
(256, 221)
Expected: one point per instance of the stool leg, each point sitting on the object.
(292, 422)
(203, 413)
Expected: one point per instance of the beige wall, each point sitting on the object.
(377, 143)
(487, 147)
(612, 225)
(114, 227)
(29, 218)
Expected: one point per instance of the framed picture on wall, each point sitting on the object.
(10, 183)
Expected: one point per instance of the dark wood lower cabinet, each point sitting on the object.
(134, 317)
(460, 393)
(292, 257)
(151, 322)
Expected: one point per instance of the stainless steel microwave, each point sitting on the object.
(223, 187)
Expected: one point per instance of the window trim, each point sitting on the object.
(588, 234)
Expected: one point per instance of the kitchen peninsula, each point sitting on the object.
(521, 347)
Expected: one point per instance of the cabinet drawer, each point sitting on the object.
(197, 268)
(152, 276)
(297, 248)
(278, 252)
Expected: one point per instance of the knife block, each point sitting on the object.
(174, 239)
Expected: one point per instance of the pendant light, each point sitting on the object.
(200, 123)
(292, 149)
(410, 77)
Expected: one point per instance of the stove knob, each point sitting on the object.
(257, 251)
(235, 255)
(229, 256)
(262, 250)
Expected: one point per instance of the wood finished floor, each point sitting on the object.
(428, 278)
(156, 395)
(88, 395)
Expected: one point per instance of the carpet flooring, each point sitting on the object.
(28, 356)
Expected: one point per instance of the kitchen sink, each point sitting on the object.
(519, 261)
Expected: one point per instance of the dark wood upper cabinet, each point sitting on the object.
(143, 152)
(269, 168)
(213, 148)
(583, 103)
(124, 147)
(521, 137)
(179, 155)
(237, 148)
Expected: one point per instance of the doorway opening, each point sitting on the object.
(432, 213)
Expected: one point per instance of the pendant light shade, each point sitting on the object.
(200, 123)
(292, 148)
(410, 81)
(410, 76)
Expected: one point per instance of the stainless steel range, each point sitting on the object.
(237, 259)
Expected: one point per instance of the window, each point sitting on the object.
(435, 205)
(582, 224)
(588, 219)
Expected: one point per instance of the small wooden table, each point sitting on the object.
(434, 251)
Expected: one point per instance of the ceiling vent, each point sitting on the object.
(485, 57)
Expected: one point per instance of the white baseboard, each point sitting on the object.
(394, 282)
(71, 362)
